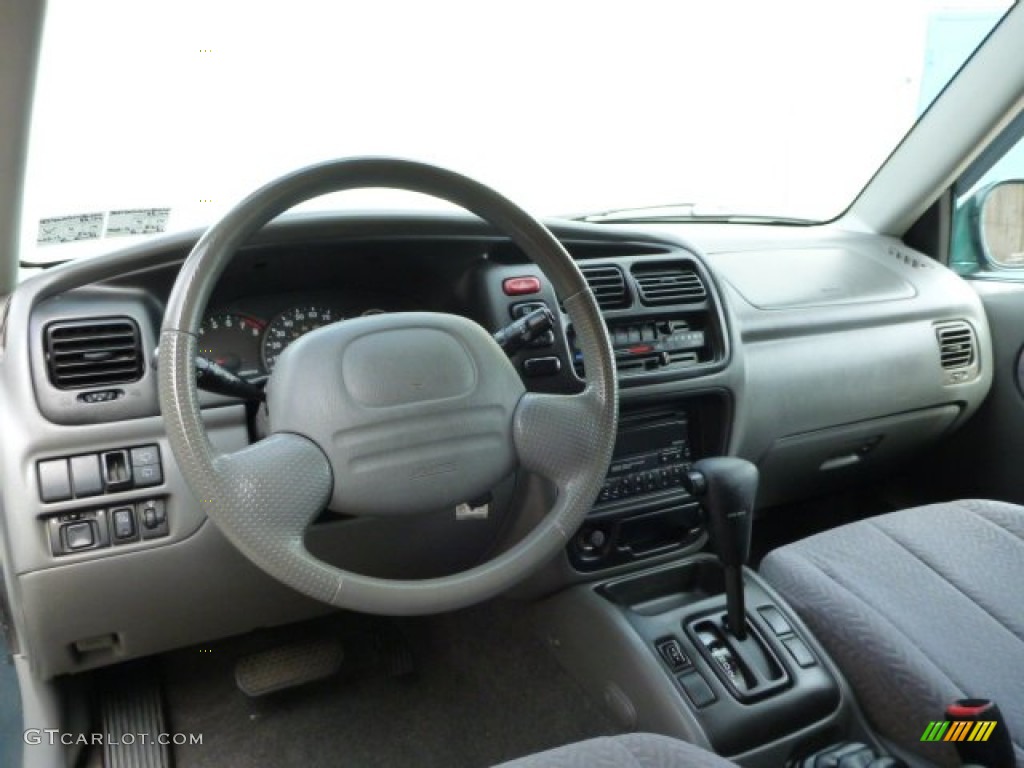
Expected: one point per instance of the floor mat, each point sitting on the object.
(485, 690)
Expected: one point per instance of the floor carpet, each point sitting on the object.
(485, 690)
(10, 710)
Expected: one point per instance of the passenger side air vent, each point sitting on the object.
(608, 284)
(668, 283)
(957, 346)
(93, 353)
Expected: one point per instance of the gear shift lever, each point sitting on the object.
(728, 486)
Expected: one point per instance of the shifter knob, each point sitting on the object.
(728, 487)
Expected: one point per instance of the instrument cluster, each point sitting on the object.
(248, 342)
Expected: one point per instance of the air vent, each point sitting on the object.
(957, 345)
(608, 285)
(668, 284)
(93, 353)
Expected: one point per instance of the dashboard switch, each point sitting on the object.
(542, 366)
(147, 475)
(79, 535)
(85, 475)
(798, 651)
(146, 455)
(774, 619)
(673, 655)
(54, 480)
(123, 519)
(153, 518)
(697, 689)
(117, 472)
(520, 286)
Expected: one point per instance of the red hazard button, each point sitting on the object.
(520, 286)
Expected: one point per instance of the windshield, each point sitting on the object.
(158, 116)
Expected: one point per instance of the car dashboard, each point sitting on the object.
(824, 356)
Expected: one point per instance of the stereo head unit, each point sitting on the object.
(652, 452)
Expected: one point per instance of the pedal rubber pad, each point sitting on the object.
(288, 666)
(131, 703)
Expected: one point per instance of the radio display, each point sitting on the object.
(640, 438)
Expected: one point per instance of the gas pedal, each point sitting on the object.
(288, 666)
(131, 703)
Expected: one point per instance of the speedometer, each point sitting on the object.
(232, 341)
(290, 325)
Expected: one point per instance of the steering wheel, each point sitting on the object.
(390, 414)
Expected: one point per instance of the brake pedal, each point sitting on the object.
(131, 703)
(288, 666)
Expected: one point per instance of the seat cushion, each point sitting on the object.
(918, 608)
(633, 750)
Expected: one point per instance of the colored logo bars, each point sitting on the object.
(959, 730)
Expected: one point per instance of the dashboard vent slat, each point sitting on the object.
(957, 345)
(93, 353)
(668, 284)
(608, 284)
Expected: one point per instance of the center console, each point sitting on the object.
(700, 648)
(654, 648)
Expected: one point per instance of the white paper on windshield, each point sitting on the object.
(138, 221)
(68, 229)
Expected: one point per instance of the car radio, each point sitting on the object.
(652, 452)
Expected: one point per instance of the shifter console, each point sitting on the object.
(749, 667)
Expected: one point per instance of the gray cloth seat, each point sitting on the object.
(633, 750)
(918, 608)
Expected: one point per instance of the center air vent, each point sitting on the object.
(608, 284)
(93, 353)
(957, 345)
(668, 283)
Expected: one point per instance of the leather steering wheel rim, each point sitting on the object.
(264, 497)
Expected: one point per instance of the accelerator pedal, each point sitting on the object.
(288, 666)
(130, 704)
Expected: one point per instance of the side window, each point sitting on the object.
(988, 220)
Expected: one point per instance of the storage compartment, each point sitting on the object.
(608, 541)
(820, 461)
(666, 589)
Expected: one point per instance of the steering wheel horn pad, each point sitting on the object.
(389, 414)
(413, 411)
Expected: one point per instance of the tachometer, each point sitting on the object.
(290, 325)
(232, 341)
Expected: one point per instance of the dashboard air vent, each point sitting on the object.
(668, 284)
(608, 285)
(957, 345)
(93, 353)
